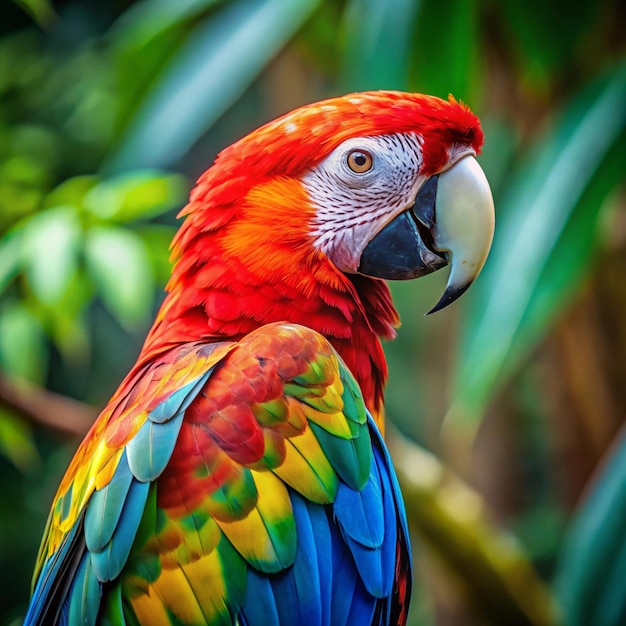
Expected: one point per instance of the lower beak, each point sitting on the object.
(451, 222)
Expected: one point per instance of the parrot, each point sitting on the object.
(239, 473)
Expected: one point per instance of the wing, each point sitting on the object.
(262, 494)
(103, 493)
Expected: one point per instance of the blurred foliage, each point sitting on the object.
(589, 580)
(547, 233)
(108, 111)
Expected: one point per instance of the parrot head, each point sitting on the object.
(438, 208)
(304, 218)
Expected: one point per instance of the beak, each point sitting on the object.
(451, 222)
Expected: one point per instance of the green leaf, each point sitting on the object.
(547, 45)
(71, 192)
(497, 156)
(318, 42)
(118, 262)
(158, 238)
(16, 443)
(445, 52)
(590, 580)
(145, 21)
(22, 185)
(377, 39)
(51, 241)
(218, 61)
(23, 348)
(10, 259)
(146, 37)
(140, 194)
(545, 233)
(66, 323)
(41, 11)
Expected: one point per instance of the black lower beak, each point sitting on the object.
(403, 249)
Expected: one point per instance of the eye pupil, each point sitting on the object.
(360, 161)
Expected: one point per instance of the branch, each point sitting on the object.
(487, 563)
(63, 416)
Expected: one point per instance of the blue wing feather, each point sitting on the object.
(360, 513)
(151, 448)
(345, 578)
(368, 533)
(105, 507)
(384, 463)
(320, 523)
(398, 540)
(48, 603)
(260, 605)
(361, 611)
(178, 401)
(85, 595)
(306, 572)
(358, 534)
(108, 563)
(389, 506)
(297, 590)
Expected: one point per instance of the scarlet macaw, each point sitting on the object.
(238, 475)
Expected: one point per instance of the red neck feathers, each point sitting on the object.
(251, 263)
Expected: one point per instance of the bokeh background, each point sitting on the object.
(510, 403)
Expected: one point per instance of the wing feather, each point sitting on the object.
(85, 594)
(55, 580)
(260, 607)
(105, 507)
(107, 563)
(151, 448)
(297, 590)
(357, 511)
(267, 537)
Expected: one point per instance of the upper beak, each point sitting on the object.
(452, 221)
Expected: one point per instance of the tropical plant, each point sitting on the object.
(107, 114)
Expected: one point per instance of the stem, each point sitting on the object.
(63, 416)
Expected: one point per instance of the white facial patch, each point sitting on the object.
(353, 207)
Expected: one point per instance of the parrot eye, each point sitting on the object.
(360, 161)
